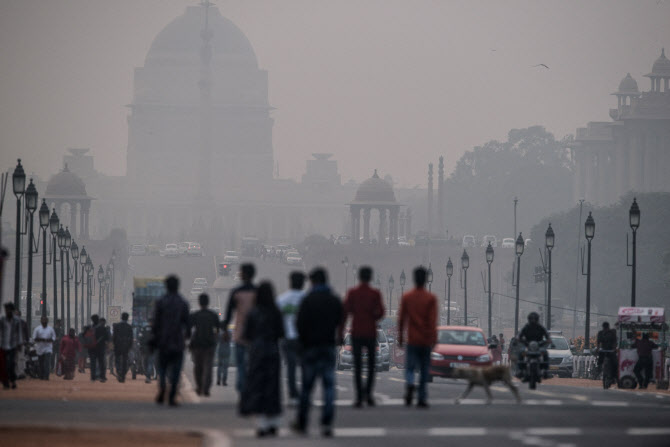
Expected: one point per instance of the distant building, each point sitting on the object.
(632, 152)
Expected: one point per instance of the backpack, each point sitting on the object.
(90, 341)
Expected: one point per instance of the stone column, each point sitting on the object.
(382, 226)
(401, 224)
(408, 224)
(603, 176)
(393, 240)
(353, 211)
(366, 225)
(73, 219)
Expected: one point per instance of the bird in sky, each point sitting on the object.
(541, 65)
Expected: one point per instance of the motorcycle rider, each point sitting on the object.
(534, 331)
(606, 341)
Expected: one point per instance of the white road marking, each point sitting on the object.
(609, 403)
(396, 380)
(457, 431)
(543, 402)
(360, 432)
(554, 431)
(648, 431)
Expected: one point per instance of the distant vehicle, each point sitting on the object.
(171, 251)
(250, 246)
(489, 238)
(469, 241)
(153, 249)
(343, 240)
(527, 242)
(201, 282)
(293, 258)
(182, 247)
(138, 250)
(194, 249)
(385, 350)
(345, 355)
(196, 291)
(508, 242)
(231, 257)
(560, 356)
(459, 347)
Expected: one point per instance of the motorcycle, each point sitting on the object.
(531, 366)
(136, 361)
(32, 362)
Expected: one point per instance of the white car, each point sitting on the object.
(489, 238)
(294, 259)
(182, 247)
(200, 282)
(469, 241)
(138, 250)
(508, 242)
(231, 257)
(171, 251)
(194, 249)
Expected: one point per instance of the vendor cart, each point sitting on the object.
(632, 322)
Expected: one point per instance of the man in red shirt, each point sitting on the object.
(365, 306)
(418, 314)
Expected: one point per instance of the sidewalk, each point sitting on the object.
(587, 383)
(82, 388)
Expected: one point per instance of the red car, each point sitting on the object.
(459, 347)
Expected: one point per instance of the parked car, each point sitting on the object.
(343, 240)
(194, 249)
(171, 251)
(345, 356)
(137, 250)
(489, 238)
(469, 241)
(182, 247)
(508, 242)
(458, 347)
(560, 355)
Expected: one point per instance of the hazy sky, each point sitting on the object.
(379, 83)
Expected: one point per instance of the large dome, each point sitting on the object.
(628, 85)
(662, 66)
(66, 184)
(179, 43)
(375, 190)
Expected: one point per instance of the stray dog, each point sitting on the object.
(484, 377)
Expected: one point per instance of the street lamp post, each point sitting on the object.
(54, 223)
(68, 244)
(74, 249)
(101, 278)
(83, 260)
(465, 264)
(391, 284)
(634, 220)
(549, 243)
(31, 206)
(61, 246)
(589, 232)
(113, 264)
(450, 271)
(19, 187)
(44, 224)
(345, 262)
(518, 247)
(430, 277)
(489, 261)
(90, 288)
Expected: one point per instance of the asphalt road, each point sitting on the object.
(552, 416)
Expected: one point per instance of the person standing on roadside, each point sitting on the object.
(240, 302)
(123, 341)
(69, 347)
(223, 357)
(418, 314)
(147, 351)
(262, 393)
(96, 342)
(44, 337)
(289, 303)
(170, 330)
(203, 344)
(58, 328)
(11, 339)
(20, 351)
(366, 308)
(319, 318)
(645, 360)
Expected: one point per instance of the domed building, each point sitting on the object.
(377, 194)
(632, 152)
(200, 111)
(65, 191)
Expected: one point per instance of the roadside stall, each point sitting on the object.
(632, 322)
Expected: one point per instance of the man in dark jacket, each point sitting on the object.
(319, 318)
(170, 330)
(365, 306)
(123, 341)
(645, 360)
(96, 352)
(606, 342)
(203, 344)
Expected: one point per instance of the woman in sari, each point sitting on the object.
(69, 347)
